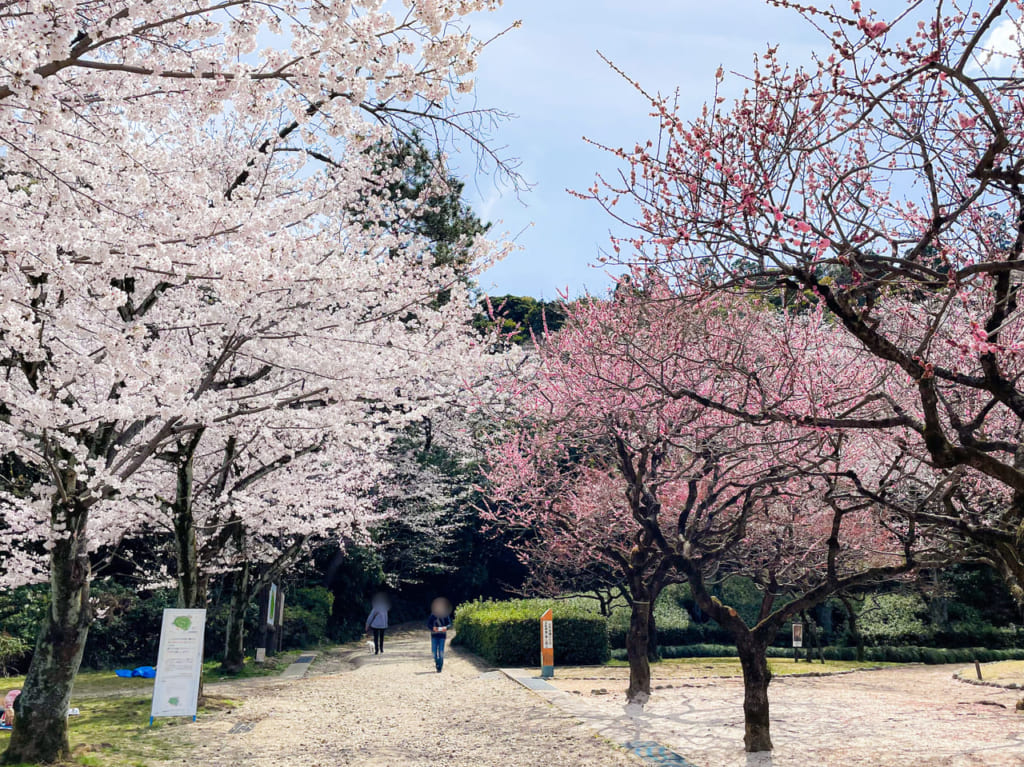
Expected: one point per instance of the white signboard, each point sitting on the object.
(798, 635)
(179, 664)
(547, 640)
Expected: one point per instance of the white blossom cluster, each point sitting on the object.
(196, 241)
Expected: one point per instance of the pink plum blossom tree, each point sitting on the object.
(882, 184)
(605, 464)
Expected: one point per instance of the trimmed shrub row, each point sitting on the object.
(888, 654)
(508, 633)
(669, 633)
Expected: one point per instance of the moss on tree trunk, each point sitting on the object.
(41, 726)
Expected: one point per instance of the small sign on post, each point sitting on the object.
(547, 645)
(272, 605)
(798, 634)
(268, 617)
(179, 664)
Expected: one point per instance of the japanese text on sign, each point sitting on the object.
(179, 664)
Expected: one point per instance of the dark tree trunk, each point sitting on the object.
(234, 634)
(41, 724)
(812, 634)
(756, 676)
(637, 641)
(938, 604)
(851, 617)
(191, 594)
(652, 636)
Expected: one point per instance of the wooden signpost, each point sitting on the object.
(547, 645)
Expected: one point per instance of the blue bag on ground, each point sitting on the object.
(146, 672)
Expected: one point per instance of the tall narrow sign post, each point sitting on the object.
(798, 641)
(268, 615)
(179, 664)
(547, 645)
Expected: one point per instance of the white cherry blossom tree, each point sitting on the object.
(184, 204)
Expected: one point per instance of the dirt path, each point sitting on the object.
(394, 710)
(917, 716)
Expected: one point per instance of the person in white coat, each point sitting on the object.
(377, 621)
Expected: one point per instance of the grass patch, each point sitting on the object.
(1001, 672)
(723, 667)
(98, 684)
(91, 684)
(113, 731)
(113, 727)
(274, 664)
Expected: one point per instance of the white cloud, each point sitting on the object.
(1001, 50)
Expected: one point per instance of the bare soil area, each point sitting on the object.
(915, 716)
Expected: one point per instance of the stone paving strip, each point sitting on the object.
(300, 667)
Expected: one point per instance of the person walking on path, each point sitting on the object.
(439, 622)
(378, 622)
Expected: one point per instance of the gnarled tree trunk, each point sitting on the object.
(637, 640)
(41, 723)
(756, 676)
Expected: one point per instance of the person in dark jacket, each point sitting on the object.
(439, 622)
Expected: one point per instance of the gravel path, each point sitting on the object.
(393, 710)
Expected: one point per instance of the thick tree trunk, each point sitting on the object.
(756, 676)
(637, 641)
(234, 633)
(41, 725)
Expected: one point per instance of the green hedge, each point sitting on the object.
(13, 651)
(887, 654)
(508, 633)
(672, 623)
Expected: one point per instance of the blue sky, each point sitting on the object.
(549, 75)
